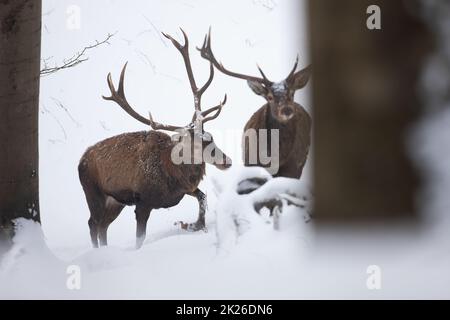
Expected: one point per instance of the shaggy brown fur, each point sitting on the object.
(294, 141)
(280, 112)
(135, 169)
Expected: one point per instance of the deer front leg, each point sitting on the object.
(202, 204)
(142, 215)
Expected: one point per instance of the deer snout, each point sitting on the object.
(286, 113)
(226, 163)
(217, 157)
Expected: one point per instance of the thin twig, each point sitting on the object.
(61, 105)
(57, 121)
(158, 32)
(76, 59)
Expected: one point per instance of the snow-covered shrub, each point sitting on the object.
(240, 216)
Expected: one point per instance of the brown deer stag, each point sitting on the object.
(138, 168)
(280, 112)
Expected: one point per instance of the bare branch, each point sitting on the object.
(62, 106)
(158, 32)
(76, 59)
(47, 111)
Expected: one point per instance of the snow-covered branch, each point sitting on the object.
(239, 205)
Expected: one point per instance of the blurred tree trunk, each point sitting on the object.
(365, 97)
(20, 41)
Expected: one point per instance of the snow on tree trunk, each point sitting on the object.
(20, 42)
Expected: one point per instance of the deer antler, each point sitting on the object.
(184, 50)
(159, 126)
(119, 98)
(291, 74)
(206, 53)
(217, 108)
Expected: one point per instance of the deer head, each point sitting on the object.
(192, 136)
(279, 95)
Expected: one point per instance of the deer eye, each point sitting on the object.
(270, 98)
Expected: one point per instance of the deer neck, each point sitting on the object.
(286, 134)
(186, 176)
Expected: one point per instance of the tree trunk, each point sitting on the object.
(365, 100)
(20, 42)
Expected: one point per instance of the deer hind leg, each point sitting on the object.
(111, 212)
(202, 204)
(96, 203)
(93, 230)
(142, 215)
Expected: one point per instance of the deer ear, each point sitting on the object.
(301, 78)
(257, 87)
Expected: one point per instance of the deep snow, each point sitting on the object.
(222, 263)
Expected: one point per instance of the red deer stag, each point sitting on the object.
(280, 112)
(138, 169)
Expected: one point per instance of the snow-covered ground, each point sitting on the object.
(249, 261)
